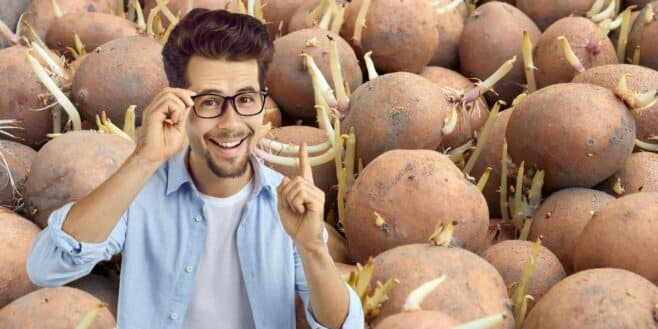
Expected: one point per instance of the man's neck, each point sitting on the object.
(208, 183)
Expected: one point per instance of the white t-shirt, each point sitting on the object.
(220, 298)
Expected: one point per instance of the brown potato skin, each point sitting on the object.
(126, 71)
(272, 113)
(11, 11)
(176, 6)
(418, 320)
(547, 12)
(40, 14)
(641, 79)
(596, 299)
(18, 159)
(338, 246)
(451, 26)
(54, 308)
(446, 78)
(277, 11)
(299, 15)
(387, 117)
(69, 167)
(16, 237)
(413, 191)
(492, 156)
(472, 288)
(590, 135)
(106, 290)
(94, 29)
(20, 94)
(549, 55)
(414, 44)
(562, 217)
(288, 79)
(622, 234)
(483, 49)
(645, 35)
(510, 257)
(639, 174)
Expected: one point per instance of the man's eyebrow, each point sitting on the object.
(217, 91)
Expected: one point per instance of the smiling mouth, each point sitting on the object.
(228, 145)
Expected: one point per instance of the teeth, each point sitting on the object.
(229, 145)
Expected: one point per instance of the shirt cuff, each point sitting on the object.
(78, 252)
(355, 318)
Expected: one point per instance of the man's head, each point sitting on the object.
(217, 53)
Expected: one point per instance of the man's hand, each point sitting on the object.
(301, 206)
(163, 125)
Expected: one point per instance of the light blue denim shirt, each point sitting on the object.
(161, 237)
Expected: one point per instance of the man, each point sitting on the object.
(210, 237)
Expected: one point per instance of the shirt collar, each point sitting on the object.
(179, 175)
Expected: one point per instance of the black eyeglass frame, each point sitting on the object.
(262, 93)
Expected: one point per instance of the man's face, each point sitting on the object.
(213, 141)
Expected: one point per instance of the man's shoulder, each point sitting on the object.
(271, 177)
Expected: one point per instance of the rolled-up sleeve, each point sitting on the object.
(56, 258)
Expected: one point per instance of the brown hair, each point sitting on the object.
(216, 34)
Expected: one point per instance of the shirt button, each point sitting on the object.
(173, 316)
(188, 269)
(197, 218)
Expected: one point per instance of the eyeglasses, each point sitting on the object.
(211, 105)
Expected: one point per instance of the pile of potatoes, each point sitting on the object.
(490, 161)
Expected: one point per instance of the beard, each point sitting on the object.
(234, 171)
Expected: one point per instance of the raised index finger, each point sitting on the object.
(304, 165)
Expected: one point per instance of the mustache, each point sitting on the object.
(227, 133)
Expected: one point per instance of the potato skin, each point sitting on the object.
(645, 35)
(622, 234)
(639, 174)
(483, 49)
(16, 237)
(94, 29)
(54, 308)
(126, 71)
(415, 44)
(547, 12)
(446, 78)
(288, 78)
(562, 217)
(18, 159)
(413, 191)
(278, 11)
(418, 320)
(641, 79)
(69, 167)
(580, 134)
(40, 14)
(510, 257)
(103, 288)
(595, 299)
(387, 117)
(549, 55)
(472, 288)
(451, 26)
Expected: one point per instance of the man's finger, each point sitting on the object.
(304, 165)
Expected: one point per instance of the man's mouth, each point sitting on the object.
(228, 144)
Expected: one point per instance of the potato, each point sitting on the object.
(69, 167)
(126, 71)
(54, 308)
(492, 156)
(386, 117)
(561, 218)
(179, 7)
(449, 80)
(288, 79)
(641, 79)
(483, 48)
(622, 234)
(21, 95)
(94, 29)
(451, 26)
(40, 13)
(272, 113)
(644, 34)
(510, 258)
(547, 12)
(106, 290)
(16, 237)
(277, 11)
(413, 191)
(597, 299)
(410, 25)
(590, 135)
(418, 320)
(587, 41)
(11, 11)
(15, 166)
(472, 288)
(639, 174)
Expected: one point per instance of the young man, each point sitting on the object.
(210, 237)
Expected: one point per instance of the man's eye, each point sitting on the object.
(246, 99)
(209, 102)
